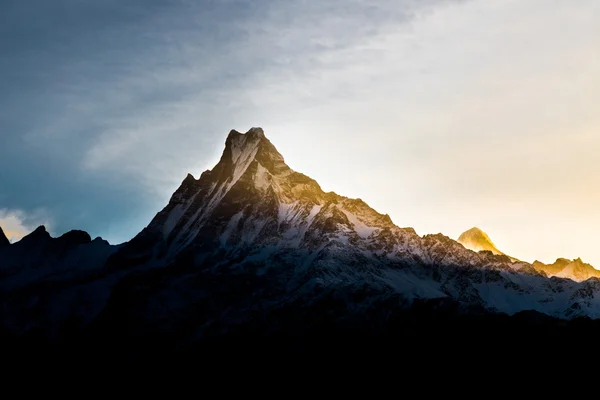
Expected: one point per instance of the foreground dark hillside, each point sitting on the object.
(429, 331)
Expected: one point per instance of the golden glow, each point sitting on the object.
(499, 129)
(12, 226)
(14, 236)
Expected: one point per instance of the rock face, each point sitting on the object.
(255, 248)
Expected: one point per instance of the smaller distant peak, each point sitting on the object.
(40, 229)
(476, 239)
(474, 232)
(189, 178)
(99, 240)
(76, 237)
(39, 232)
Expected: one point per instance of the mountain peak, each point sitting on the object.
(40, 233)
(252, 186)
(75, 237)
(3, 239)
(240, 146)
(257, 132)
(189, 177)
(476, 239)
(242, 150)
(475, 231)
(252, 133)
(576, 269)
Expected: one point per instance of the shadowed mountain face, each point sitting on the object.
(254, 249)
(39, 260)
(3, 239)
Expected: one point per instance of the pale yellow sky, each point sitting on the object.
(444, 114)
(485, 113)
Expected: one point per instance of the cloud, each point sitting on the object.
(132, 97)
(271, 59)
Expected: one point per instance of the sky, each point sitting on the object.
(443, 114)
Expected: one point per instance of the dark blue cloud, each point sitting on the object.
(106, 104)
(59, 56)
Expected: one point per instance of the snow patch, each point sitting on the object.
(313, 213)
(172, 220)
(231, 225)
(244, 161)
(363, 230)
(286, 212)
(262, 178)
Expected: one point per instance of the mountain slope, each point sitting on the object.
(253, 248)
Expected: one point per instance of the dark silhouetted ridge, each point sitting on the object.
(3, 239)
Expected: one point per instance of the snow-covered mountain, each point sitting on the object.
(477, 240)
(253, 246)
(576, 270)
(254, 209)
